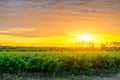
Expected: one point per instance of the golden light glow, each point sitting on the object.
(65, 40)
(86, 38)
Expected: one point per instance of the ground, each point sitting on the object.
(78, 77)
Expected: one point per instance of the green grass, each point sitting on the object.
(59, 61)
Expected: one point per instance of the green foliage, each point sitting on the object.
(16, 62)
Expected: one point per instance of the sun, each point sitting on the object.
(85, 37)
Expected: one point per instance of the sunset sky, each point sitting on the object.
(58, 22)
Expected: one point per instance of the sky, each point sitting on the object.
(58, 22)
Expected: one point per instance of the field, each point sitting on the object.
(55, 63)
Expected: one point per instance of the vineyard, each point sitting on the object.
(59, 61)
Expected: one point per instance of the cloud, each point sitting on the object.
(43, 6)
(87, 11)
(55, 2)
(16, 30)
(102, 5)
(93, 11)
(84, 10)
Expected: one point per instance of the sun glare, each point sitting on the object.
(85, 37)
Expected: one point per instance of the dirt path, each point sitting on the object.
(79, 77)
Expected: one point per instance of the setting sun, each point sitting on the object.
(86, 38)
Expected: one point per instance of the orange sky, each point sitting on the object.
(58, 22)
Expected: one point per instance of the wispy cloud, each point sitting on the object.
(87, 11)
(72, 4)
(16, 30)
